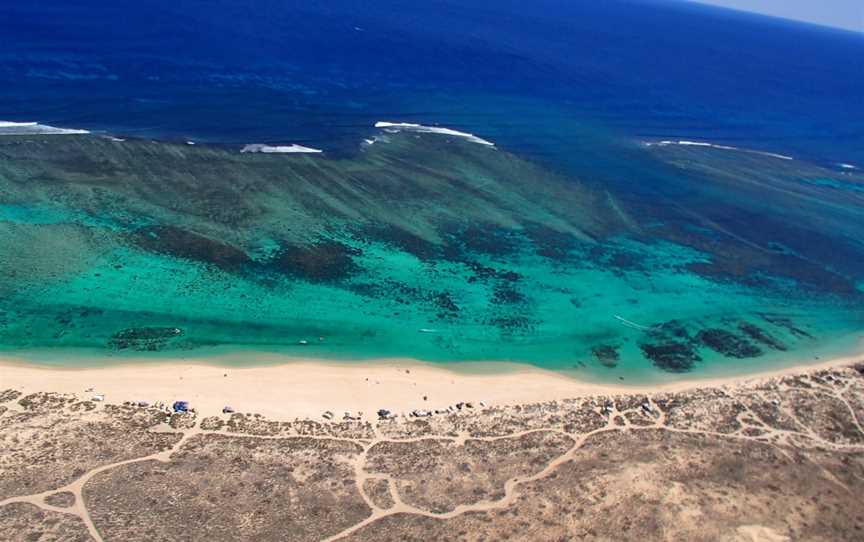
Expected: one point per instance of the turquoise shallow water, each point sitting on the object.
(431, 247)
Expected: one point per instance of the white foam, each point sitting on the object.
(9, 124)
(279, 149)
(847, 166)
(772, 154)
(409, 127)
(34, 128)
(715, 146)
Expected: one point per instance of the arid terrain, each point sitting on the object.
(770, 460)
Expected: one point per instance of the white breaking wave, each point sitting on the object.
(34, 128)
(279, 149)
(847, 166)
(409, 127)
(715, 146)
(6, 123)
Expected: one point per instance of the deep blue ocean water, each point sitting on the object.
(527, 75)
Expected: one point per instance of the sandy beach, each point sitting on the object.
(305, 388)
(749, 458)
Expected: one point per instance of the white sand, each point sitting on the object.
(306, 388)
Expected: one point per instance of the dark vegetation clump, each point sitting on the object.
(9, 395)
(62, 499)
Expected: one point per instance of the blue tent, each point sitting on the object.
(181, 406)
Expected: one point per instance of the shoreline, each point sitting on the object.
(306, 388)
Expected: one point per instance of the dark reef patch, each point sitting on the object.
(398, 292)
(672, 329)
(760, 335)
(144, 339)
(615, 258)
(749, 270)
(552, 244)
(447, 308)
(505, 294)
(674, 357)
(512, 324)
(483, 272)
(94, 168)
(785, 322)
(670, 347)
(606, 354)
(487, 239)
(180, 243)
(369, 289)
(760, 256)
(727, 343)
(325, 261)
(402, 239)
